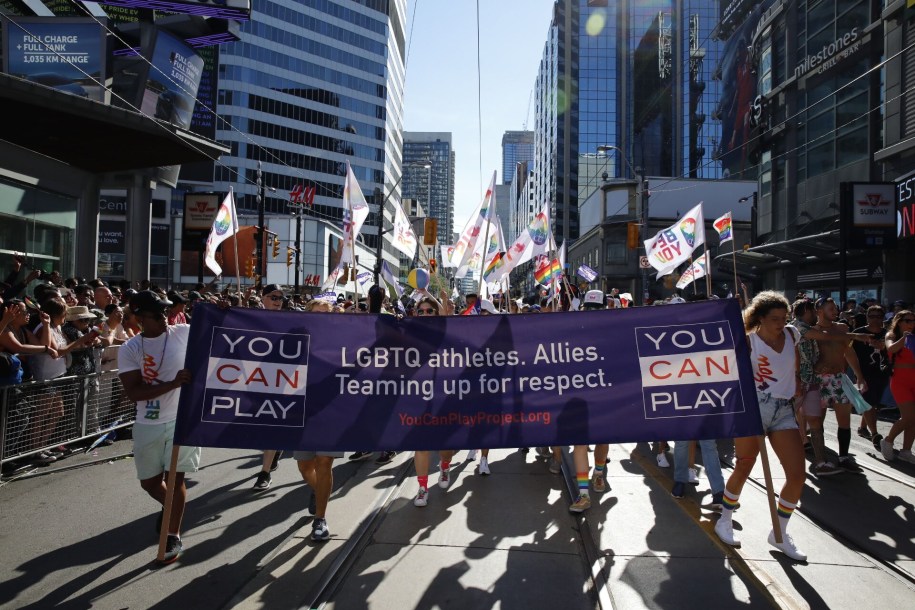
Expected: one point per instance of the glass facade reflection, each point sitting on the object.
(627, 74)
(310, 85)
(432, 187)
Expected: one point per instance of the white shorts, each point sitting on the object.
(152, 450)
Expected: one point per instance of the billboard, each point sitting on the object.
(171, 88)
(240, 10)
(67, 54)
(905, 210)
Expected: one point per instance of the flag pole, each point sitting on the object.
(708, 272)
(490, 212)
(734, 263)
(235, 241)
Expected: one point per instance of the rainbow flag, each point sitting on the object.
(494, 264)
(545, 269)
(723, 226)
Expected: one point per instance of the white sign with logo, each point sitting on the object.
(200, 210)
(873, 205)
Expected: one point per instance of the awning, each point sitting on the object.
(821, 247)
(90, 135)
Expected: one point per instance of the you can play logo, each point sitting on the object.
(256, 378)
(689, 370)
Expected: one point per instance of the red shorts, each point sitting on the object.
(902, 385)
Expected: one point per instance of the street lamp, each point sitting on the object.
(643, 194)
(381, 230)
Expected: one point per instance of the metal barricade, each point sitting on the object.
(37, 416)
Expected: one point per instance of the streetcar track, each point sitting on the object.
(851, 544)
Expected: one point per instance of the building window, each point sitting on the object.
(616, 253)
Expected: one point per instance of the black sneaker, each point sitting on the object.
(876, 440)
(678, 490)
(717, 501)
(173, 548)
(312, 504)
(864, 433)
(385, 457)
(319, 531)
(847, 462)
(263, 481)
(359, 455)
(276, 461)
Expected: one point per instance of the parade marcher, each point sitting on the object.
(272, 298)
(774, 357)
(429, 306)
(175, 313)
(594, 300)
(835, 356)
(899, 345)
(152, 372)
(874, 364)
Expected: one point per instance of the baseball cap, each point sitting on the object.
(271, 288)
(176, 297)
(594, 299)
(193, 295)
(149, 302)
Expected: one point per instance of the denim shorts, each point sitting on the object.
(777, 413)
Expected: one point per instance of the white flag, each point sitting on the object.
(697, 270)
(403, 238)
(355, 211)
(465, 246)
(534, 240)
(673, 245)
(447, 253)
(225, 225)
(388, 277)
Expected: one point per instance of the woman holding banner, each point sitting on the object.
(773, 352)
(429, 306)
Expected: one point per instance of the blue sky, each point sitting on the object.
(441, 86)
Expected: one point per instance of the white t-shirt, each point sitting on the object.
(774, 372)
(158, 360)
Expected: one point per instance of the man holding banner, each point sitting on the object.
(152, 372)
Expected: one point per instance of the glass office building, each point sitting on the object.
(632, 75)
(311, 85)
(517, 147)
(432, 186)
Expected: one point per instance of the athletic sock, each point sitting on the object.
(446, 465)
(728, 503)
(599, 469)
(423, 481)
(785, 510)
(844, 435)
(582, 483)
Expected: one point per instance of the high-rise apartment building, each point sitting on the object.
(311, 85)
(428, 176)
(628, 75)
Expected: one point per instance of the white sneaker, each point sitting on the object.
(421, 498)
(886, 448)
(906, 455)
(484, 466)
(693, 477)
(662, 460)
(725, 531)
(787, 546)
(471, 455)
(444, 479)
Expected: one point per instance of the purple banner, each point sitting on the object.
(346, 382)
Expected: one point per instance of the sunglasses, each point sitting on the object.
(273, 297)
(425, 311)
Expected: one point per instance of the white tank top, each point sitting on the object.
(773, 372)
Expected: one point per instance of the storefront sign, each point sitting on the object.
(869, 213)
(905, 210)
(830, 54)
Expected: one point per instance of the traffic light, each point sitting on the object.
(289, 254)
(249, 267)
(430, 231)
(432, 265)
(632, 236)
(276, 246)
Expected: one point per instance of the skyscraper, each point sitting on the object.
(517, 147)
(650, 101)
(433, 186)
(311, 85)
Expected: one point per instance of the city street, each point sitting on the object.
(81, 536)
